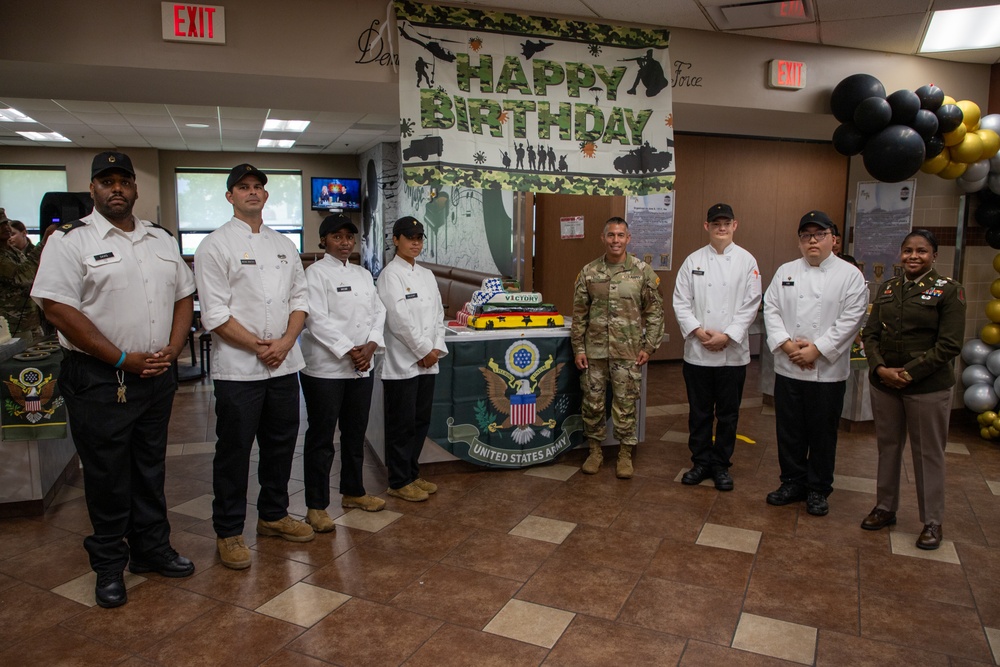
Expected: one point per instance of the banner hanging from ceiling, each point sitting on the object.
(504, 101)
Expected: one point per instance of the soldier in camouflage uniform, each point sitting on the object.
(617, 325)
(17, 273)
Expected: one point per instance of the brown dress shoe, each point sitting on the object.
(878, 519)
(931, 537)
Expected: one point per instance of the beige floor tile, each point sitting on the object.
(755, 402)
(199, 448)
(727, 537)
(532, 623)
(956, 448)
(559, 471)
(67, 492)
(369, 521)
(993, 635)
(705, 482)
(994, 487)
(905, 544)
(303, 604)
(81, 589)
(859, 484)
(675, 436)
(200, 507)
(676, 409)
(778, 639)
(545, 530)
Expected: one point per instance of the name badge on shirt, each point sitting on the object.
(344, 289)
(248, 261)
(104, 255)
(411, 296)
(788, 283)
(697, 272)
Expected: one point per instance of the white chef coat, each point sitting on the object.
(126, 283)
(822, 304)
(717, 292)
(257, 279)
(344, 311)
(414, 319)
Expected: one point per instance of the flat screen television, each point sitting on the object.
(336, 194)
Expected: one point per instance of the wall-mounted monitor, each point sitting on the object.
(336, 194)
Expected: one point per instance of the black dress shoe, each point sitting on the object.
(930, 538)
(110, 590)
(785, 494)
(168, 563)
(878, 519)
(723, 482)
(816, 504)
(696, 475)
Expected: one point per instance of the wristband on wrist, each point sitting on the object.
(121, 361)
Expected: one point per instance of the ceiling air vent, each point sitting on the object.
(743, 16)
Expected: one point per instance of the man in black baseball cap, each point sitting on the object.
(818, 218)
(111, 160)
(241, 171)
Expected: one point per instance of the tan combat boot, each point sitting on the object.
(623, 469)
(594, 460)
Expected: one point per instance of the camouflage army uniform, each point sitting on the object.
(611, 303)
(17, 273)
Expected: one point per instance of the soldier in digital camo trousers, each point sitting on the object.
(617, 325)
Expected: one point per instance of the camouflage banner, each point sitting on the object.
(508, 402)
(504, 101)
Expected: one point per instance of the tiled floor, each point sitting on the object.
(542, 566)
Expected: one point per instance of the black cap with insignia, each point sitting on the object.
(408, 226)
(239, 171)
(818, 218)
(109, 160)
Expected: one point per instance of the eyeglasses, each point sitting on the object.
(805, 237)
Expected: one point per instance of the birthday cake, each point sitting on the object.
(500, 304)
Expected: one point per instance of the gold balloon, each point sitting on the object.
(948, 99)
(953, 170)
(990, 333)
(993, 310)
(995, 287)
(970, 113)
(955, 137)
(991, 143)
(996, 262)
(936, 163)
(970, 150)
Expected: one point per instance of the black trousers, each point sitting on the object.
(265, 409)
(408, 406)
(122, 447)
(806, 418)
(329, 401)
(714, 392)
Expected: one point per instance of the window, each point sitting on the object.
(202, 206)
(22, 188)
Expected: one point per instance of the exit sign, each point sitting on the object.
(789, 74)
(200, 24)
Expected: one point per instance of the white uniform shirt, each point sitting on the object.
(718, 293)
(257, 279)
(125, 283)
(344, 311)
(414, 319)
(822, 304)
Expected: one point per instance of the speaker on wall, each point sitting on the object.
(59, 207)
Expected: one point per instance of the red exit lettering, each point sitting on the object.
(789, 74)
(194, 21)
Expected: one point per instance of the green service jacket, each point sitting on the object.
(920, 330)
(617, 310)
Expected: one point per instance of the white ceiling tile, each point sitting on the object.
(894, 34)
(101, 119)
(801, 32)
(86, 107)
(126, 108)
(292, 114)
(247, 124)
(348, 117)
(25, 105)
(137, 121)
(243, 113)
(673, 14)
(188, 110)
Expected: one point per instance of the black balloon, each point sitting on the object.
(848, 139)
(993, 237)
(905, 105)
(933, 146)
(850, 92)
(894, 154)
(949, 117)
(925, 123)
(988, 216)
(931, 97)
(872, 115)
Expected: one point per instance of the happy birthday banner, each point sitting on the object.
(503, 101)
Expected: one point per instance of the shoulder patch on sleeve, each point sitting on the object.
(70, 226)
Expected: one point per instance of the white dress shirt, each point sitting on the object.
(414, 319)
(256, 279)
(821, 304)
(126, 283)
(344, 311)
(717, 292)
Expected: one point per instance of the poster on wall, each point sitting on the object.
(883, 215)
(526, 103)
(571, 227)
(650, 221)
